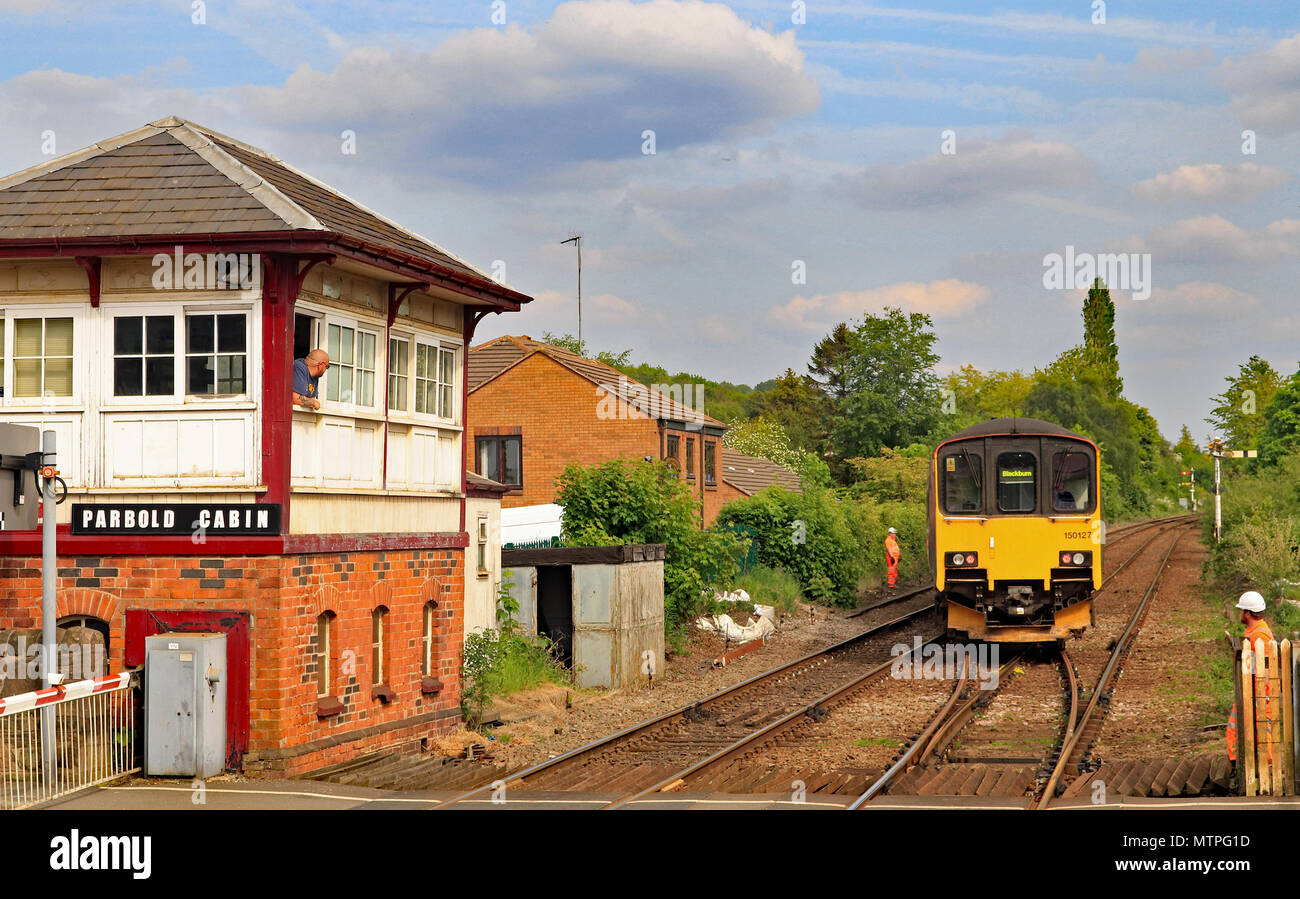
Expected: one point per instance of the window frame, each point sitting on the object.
(324, 676)
(1033, 492)
(80, 320)
(1053, 453)
(501, 440)
(357, 326)
(482, 540)
(408, 394)
(709, 466)
(977, 458)
(379, 646)
(250, 392)
(428, 626)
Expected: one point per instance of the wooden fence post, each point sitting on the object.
(1285, 670)
(1246, 718)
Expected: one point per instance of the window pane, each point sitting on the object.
(961, 491)
(511, 475)
(160, 376)
(2, 358)
(58, 337)
(27, 337)
(230, 333)
(128, 335)
(447, 366)
(346, 349)
(200, 377)
(423, 355)
(27, 377)
(398, 358)
(199, 334)
(1016, 482)
(128, 376)
(397, 393)
(58, 377)
(1071, 481)
(159, 336)
(366, 388)
(367, 350)
(445, 408)
(488, 459)
(332, 347)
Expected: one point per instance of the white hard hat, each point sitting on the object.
(1251, 602)
(892, 531)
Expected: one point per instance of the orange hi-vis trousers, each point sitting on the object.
(1258, 631)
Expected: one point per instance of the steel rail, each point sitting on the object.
(771, 673)
(1067, 750)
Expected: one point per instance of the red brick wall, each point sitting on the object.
(285, 594)
(555, 412)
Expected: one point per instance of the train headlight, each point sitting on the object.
(1078, 558)
(958, 558)
(1065, 558)
(970, 558)
(961, 560)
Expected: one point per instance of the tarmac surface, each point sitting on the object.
(301, 795)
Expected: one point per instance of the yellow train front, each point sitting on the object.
(1015, 527)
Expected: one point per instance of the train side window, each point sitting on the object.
(1071, 481)
(1017, 476)
(961, 484)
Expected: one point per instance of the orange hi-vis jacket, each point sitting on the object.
(892, 550)
(1258, 630)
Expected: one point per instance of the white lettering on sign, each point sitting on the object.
(205, 518)
(101, 520)
(169, 518)
(263, 518)
(87, 515)
(115, 518)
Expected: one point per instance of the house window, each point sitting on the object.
(482, 546)
(498, 459)
(673, 447)
(435, 381)
(216, 353)
(352, 364)
(319, 653)
(42, 357)
(399, 374)
(144, 355)
(378, 636)
(710, 452)
(690, 457)
(426, 642)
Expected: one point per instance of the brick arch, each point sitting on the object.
(431, 591)
(381, 594)
(326, 598)
(87, 601)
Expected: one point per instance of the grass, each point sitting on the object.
(773, 587)
(523, 663)
(878, 741)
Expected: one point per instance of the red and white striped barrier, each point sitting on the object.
(23, 702)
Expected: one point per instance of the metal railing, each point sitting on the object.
(91, 738)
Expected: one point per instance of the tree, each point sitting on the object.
(1281, 431)
(1099, 348)
(763, 438)
(795, 403)
(579, 347)
(1238, 416)
(833, 361)
(980, 395)
(891, 393)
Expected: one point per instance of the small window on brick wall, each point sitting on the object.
(378, 645)
(426, 642)
(319, 653)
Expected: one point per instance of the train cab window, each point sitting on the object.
(1071, 481)
(1017, 476)
(961, 483)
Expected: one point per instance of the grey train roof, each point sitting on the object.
(998, 426)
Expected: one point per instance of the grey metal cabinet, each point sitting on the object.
(185, 681)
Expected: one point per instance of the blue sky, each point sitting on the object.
(778, 142)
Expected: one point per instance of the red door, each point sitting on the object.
(141, 623)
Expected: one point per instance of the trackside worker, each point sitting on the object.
(892, 553)
(1251, 605)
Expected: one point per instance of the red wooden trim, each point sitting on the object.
(295, 544)
(28, 543)
(279, 292)
(92, 266)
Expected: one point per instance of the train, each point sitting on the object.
(1015, 530)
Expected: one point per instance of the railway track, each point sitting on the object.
(999, 755)
(641, 755)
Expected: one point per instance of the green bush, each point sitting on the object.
(807, 534)
(772, 587)
(626, 502)
(872, 520)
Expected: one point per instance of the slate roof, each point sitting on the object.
(750, 474)
(174, 177)
(489, 360)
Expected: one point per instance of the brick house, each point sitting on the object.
(537, 407)
(155, 289)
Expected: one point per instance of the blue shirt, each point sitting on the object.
(303, 383)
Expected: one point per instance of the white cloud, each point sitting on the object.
(948, 298)
(1265, 85)
(1212, 239)
(1171, 60)
(1200, 300)
(1212, 182)
(979, 170)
